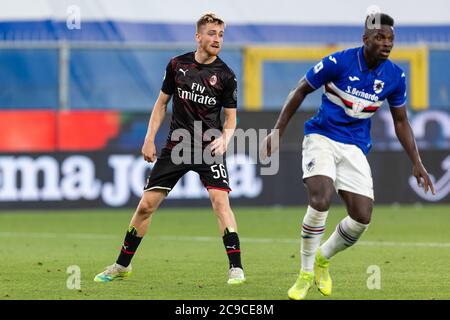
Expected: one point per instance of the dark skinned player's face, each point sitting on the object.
(379, 42)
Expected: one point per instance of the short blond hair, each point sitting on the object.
(209, 17)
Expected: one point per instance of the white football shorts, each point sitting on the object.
(344, 163)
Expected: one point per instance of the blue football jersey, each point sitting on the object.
(352, 94)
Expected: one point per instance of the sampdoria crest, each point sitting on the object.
(378, 86)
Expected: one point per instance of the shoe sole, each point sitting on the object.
(235, 282)
(290, 298)
(295, 299)
(322, 293)
(119, 277)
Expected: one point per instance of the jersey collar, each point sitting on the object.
(217, 60)
(363, 66)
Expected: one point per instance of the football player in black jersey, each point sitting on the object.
(201, 85)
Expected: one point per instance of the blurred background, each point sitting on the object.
(78, 80)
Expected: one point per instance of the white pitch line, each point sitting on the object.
(52, 235)
(405, 244)
(49, 235)
(281, 240)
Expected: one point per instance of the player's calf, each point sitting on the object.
(347, 233)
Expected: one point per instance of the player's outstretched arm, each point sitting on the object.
(157, 117)
(406, 137)
(292, 103)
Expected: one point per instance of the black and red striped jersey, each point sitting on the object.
(199, 92)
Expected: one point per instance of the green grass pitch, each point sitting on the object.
(182, 256)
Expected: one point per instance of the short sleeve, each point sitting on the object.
(398, 97)
(324, 71)
(229, 97)
(168, 86)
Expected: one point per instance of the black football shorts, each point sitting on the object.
(165, 174)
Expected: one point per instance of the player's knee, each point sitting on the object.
(220, 206)
(363, 218)
(146, 208)
(320, 203)
(361, 215)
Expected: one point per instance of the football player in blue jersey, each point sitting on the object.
(356, 82)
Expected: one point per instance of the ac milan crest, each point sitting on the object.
(213, 80)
